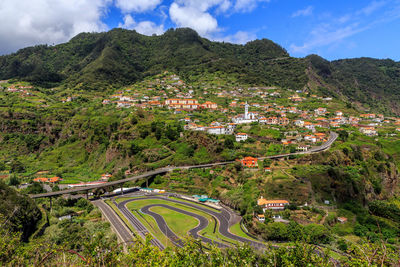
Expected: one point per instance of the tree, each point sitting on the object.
(343, 135)
(267, 163)
(317, 234)
(34, 188)
(16, 166)
(2, 166)
(134, 120)
(276, 231)
(13, 181)
(229, 142)
(171, 133)
(295, 231)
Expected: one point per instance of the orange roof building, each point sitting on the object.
(54, 179)
(249, 162)
(272, 204)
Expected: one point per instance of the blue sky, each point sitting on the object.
(332, 29)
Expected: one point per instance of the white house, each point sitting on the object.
(230, 128)
(299, 123)
(302, 148)
(124, 104)
(320, 111)
(216, 130)
(261, 217)
(310, 138)
(241, 137)
(369, 131)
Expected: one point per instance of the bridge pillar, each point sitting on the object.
(87, 194)
(147, 182)
(50, 204)
(122, 189)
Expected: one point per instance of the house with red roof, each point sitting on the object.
(249, 162)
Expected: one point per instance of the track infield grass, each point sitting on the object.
(236, 230)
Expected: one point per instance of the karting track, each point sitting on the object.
(223, 218)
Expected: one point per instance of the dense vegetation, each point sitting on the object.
(20, 212)
(362, 80)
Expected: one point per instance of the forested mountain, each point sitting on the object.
(97, 61)
(365, 80)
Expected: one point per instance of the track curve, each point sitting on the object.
(223, 218)
(203, 223)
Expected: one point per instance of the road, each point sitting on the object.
(332, 137)
(122, 231)
(222, 217)
(139, 227)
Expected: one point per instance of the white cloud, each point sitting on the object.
(29, 22)
(240, 37)
(201, 15)
(303, 12)
(129, 22)
(372, 7)
(195, 18)
(149, 28)
(128, 6)
(325, 35)
(143, 27)
(247, 5)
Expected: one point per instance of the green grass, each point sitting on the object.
(121, 199)
(236, 230)
(179, 223)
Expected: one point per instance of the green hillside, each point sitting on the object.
(100, 61)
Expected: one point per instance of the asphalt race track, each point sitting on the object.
(203, 223)
(139, 227)
(223, 218)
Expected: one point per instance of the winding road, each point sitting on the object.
(332, 137)
(222, 217)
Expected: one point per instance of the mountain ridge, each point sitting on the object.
(100, 61)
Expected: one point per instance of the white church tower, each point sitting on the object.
(246, 111)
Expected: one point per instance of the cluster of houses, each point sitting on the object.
(21, 89)
(172, 103)
(174, 94)
(69, 99)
